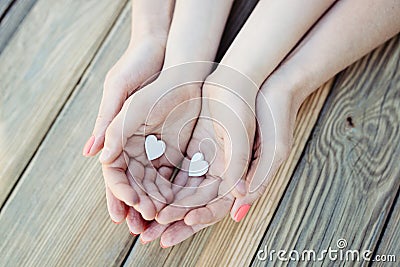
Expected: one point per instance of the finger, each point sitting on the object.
(211, 213)
(237, 157)
(135, 222)
(116, 208)
(153, 231)
(174, 212)
(178, 232)
(118, 183)
(145, 206)
(112, 101)
(203, 194)
(271, 150)
(181, 179)
(164, 185)
(123, 127)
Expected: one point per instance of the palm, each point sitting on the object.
(195, 192)
(170, 115)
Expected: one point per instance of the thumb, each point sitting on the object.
(237, 158)
(114, 95)
(110, 106)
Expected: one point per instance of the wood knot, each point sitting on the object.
(350, 122)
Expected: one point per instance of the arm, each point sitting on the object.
(348, 31)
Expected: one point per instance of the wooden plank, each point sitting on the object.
(4, 6)
(15, 14)
(346, 181)
(228, 243)
(57, 214)
(389, 244)
(39, 68)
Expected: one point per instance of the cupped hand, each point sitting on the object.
(167, 108)
(224, 134)
(141, 61)
(276, 111)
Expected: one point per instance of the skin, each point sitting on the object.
(163, 112)
(233, 103)
(330, 46)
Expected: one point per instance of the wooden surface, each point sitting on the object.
(12, 13)
(340, 181)
(39, 69)
(346, 181)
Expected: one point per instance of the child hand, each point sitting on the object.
(224, 134)
(169, 114)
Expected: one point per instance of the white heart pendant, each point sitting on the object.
(198, 166)
(154, 148)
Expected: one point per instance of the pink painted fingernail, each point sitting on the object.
(241, 213)
(88, 146)
(132, 234)
(115, 222)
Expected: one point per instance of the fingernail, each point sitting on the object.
(105, 154)
(241, 213)
(241, 188)
(115, 222)
(132, 234)
(88, 146)
(143, 242)
(162, 245)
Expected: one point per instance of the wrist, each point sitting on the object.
(290, 81)
(151, 19)
(231, 83)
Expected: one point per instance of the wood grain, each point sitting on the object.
(57, 214)
(389, 244)
(4, 6)
(39, 69)
(349, 174)
(228, 243)
(12, 17)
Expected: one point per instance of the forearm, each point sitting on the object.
(151, 18)
(272, 30)
(196, 30)
(351, 29)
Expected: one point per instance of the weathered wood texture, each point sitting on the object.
(39, 68)
(11, 14)
(4, 6)
(228, 243)
(390, 243)
(346, 181)
(57, 214)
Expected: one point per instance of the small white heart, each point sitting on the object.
(154, 148)
(198, 166)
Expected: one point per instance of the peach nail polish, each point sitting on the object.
(241, 213)
(115, 222)
(143, 242)
(88, 145)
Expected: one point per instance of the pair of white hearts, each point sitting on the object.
(156, 148)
